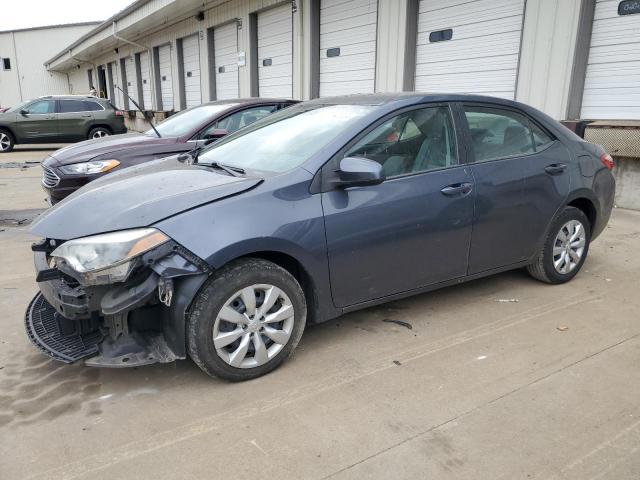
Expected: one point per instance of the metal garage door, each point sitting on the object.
(191, 69)
(132, 81)
(469, 46)
(145, 78)
(116, 79)
(275, 52)
(166, 82)
(347, 46)
(612, 84)
(225, 41)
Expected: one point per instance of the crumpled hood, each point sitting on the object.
(137, 197)
(84, 151)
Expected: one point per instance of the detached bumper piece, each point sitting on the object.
(62, 339)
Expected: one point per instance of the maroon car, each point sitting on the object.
(69, 168)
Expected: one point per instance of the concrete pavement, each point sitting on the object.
(545, 387)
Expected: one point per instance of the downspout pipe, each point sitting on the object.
(152, 72)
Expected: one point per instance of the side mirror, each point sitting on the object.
(24, 112)
(358, 172)
(215, 134)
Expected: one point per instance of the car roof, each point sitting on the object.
(379, 99)
(251, 101)
(71, 97)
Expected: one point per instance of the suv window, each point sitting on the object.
(415, 141)
(497, 133)
(92, 106)
(72, 106)
(41, 107)
(237, 120)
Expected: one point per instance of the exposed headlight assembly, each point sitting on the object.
(107, 258)
(96, 166)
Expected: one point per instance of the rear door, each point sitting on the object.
(413, 229)
(39, 122)
(521, 179)
(74, 119)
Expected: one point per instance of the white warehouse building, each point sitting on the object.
(22, 56)
(571, 58)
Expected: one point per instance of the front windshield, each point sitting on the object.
(187, 120)
(18, 107)
(285, 139)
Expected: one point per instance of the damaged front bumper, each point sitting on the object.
(136, 322)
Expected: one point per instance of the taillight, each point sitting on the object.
(119, 113)
(606, 160)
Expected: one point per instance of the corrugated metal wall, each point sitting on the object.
(32, 49)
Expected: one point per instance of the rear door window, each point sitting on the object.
(497, 133)
(93, 106)
(71, 106)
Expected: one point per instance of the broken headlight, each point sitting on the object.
(106, 258)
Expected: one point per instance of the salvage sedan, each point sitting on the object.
(225, 254)
(68, 169)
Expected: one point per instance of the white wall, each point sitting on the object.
(28, 77)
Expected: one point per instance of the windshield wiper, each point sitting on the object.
(195, 153)
(233, 171)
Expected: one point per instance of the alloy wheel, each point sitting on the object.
(99, 134)
(5, 142)
(569, 246)
(253, 326)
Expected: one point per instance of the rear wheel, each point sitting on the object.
(6, 141)
(99, 132)
(565, 248)
(246, 320)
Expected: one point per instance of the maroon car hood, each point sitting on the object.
(84, 151)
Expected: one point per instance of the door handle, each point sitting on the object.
(457, 189)
(88, 115)
(555, 168)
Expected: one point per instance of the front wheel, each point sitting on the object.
(246, 320)
(98, 132)
(6, 141)
(565, 248)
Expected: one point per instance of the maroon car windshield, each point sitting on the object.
(188, 120)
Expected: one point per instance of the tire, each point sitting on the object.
(98, 132)
(246, 278)
(560, 266)
(7, 142)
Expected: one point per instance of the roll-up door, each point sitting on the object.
(145, 78)
(469, 46)
(225, 41)
(117, 98)
(166, 81)
(191, 69)
(132, 80)
(275, 52)
(612, 83)
(347, 46)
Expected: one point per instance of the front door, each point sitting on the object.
(412, 230)
(37, 122)
(520, 181)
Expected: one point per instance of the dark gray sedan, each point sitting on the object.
(330, 206)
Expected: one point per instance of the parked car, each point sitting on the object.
(69, 168)
(59, 119)
(324, 208)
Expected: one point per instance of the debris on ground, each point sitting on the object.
(563, 328)
(397, 362)
(399, 322)
(507, 300)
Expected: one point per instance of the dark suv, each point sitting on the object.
(57, 119)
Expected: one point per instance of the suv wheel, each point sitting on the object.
(99, 132)
(565, 248)
(246, 320)
(6, 141)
